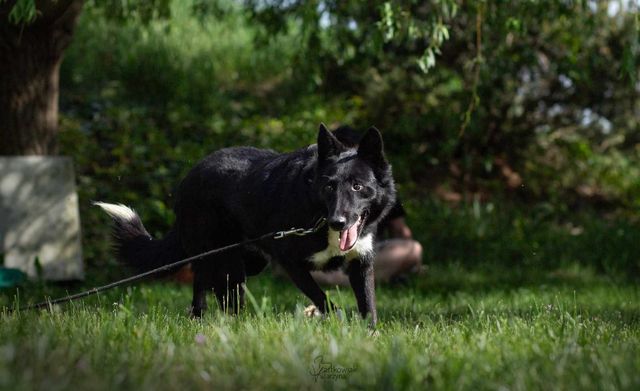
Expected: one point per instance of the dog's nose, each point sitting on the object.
(337, 223)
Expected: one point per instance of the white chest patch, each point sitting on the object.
(363, 246)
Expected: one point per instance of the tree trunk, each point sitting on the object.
(30, 57)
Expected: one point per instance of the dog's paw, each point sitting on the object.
(312, 312)
(196, 313)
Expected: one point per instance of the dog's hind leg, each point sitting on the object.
(202, 284)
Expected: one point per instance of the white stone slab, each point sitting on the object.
(39, 216)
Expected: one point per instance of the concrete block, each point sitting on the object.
(39, 216)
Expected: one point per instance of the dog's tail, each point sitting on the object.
(133, 244)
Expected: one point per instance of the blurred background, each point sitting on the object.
(512, 127)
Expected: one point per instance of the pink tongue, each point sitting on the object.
(349, 236)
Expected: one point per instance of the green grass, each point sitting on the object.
(453, 328)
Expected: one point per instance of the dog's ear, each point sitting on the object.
(371, 148)
(328, 144)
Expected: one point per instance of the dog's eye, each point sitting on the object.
(356, 187)
(328, 188)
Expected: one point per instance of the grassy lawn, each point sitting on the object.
(450, 329)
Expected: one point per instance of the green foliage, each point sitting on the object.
(26, 11)
(520, 71)
(23, 11)
(143, 101)
(499, 234)
(412, 23)
(143, 11)
(347, 32)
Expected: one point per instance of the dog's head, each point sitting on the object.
(354, 183)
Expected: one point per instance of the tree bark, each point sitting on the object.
(30, 58)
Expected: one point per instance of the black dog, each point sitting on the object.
(242, 192)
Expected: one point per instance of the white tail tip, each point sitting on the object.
(117, 211)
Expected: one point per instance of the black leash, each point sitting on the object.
(271, 235)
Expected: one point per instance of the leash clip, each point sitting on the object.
(301, 231)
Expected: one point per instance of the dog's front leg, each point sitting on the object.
(303, 280)
(362, 282)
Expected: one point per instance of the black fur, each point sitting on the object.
(242, 192)
(135, 246)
